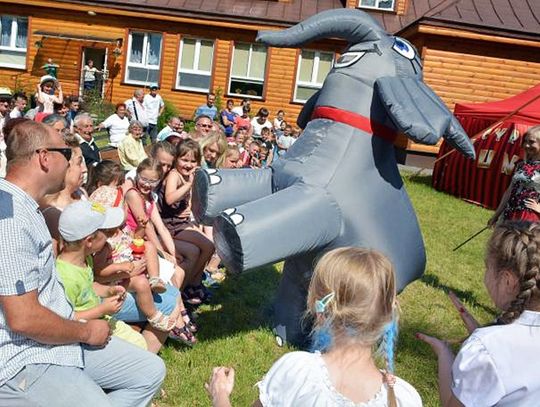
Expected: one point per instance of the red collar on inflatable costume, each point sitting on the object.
(355, 120)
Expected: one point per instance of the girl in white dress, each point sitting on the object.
(498, 364)
(352, 302)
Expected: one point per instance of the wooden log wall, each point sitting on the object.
(469, 71)
(281, 63)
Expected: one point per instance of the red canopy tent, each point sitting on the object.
(485, 179)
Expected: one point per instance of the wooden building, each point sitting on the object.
(473, 50)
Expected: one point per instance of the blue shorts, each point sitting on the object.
(165, 303)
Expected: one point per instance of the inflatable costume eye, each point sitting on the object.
(403, 48)
(348, 58)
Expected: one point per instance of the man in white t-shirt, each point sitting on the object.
(19, 101)
(137, 111)
(154, 106)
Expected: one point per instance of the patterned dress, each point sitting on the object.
(525, 185)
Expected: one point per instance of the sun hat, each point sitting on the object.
(47, 78)
(82, 218)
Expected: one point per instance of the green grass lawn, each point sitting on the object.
(235, 333)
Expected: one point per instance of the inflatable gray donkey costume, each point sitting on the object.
(339, 184)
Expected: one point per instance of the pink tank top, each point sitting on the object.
(131, 222)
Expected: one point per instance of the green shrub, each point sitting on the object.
(169, 111)
(96, 106)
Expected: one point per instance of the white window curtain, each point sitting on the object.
(313, 66)
(195, 64)
(248, 70)
(144, 58)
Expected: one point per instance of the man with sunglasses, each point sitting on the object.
(203, 126)
(48, 357)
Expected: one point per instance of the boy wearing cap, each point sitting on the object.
(154, 105)
(80, 226)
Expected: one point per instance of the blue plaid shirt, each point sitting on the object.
(27, 264)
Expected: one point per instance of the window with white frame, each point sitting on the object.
(144, 58)
(378, 4)
(313, 66)
(248, 70)
(195, 64)
(13, 40)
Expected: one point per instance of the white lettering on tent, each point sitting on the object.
(485, 157)
(499, 133)
(507, 166)
(514, 136)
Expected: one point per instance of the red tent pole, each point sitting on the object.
(489, 128)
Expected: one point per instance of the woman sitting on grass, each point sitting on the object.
(497, 364)
(352, 300)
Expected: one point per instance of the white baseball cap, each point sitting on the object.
(83, 218)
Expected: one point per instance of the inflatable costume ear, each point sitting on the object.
(354, 26)
(419, 113)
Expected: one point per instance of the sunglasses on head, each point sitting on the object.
(66, 152)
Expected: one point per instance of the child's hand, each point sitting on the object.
(139, 267)
(470, 323)
(221, 383)
(112, 305)
(58, 86)
(438, 345)
(116, 290)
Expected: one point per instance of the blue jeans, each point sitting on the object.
(165, 303)
(131, 376)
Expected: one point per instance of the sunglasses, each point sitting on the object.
(66, 152)
(208, 126)
(146, 181)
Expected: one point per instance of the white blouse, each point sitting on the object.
(301, 379)
(117, 128)
(498, 365)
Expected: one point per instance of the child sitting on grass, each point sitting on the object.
(80, 226)
(352, 301)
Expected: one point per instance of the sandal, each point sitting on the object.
(197, 294)
(183, 335)
(157, 285)
(193, 301)
(192, 326)
(161, 322)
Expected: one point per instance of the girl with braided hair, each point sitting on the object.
(352, 302)
(498, 364)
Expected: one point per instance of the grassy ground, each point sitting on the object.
(234, 330)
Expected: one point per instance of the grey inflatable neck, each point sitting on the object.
(351, 25)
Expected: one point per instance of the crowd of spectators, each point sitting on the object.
(125, 257)
(102, 262)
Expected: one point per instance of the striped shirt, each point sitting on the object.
(27, 264)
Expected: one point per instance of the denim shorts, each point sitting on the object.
(165, 303)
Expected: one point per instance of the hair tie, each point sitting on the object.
(320, 305)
